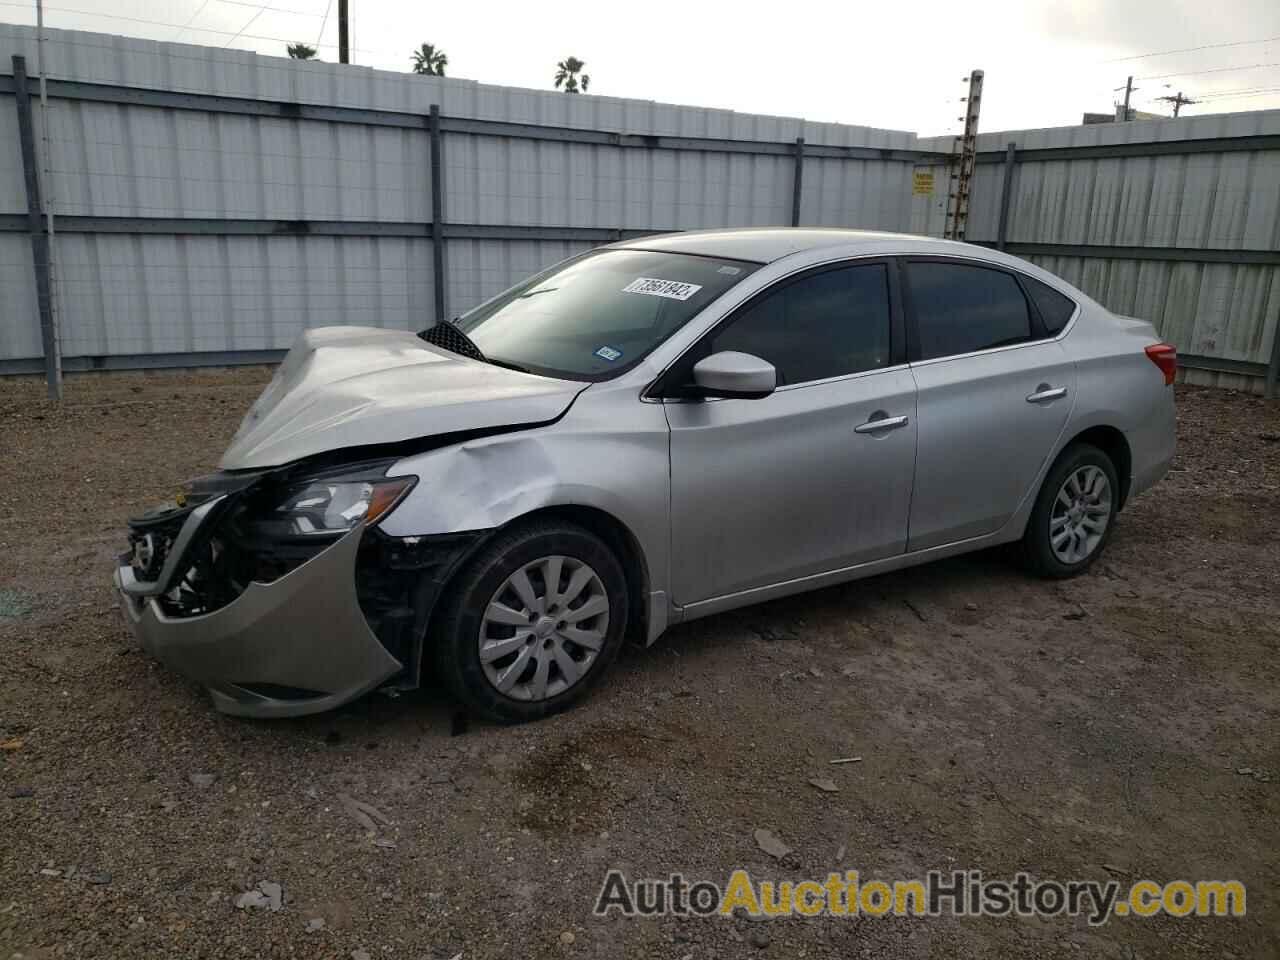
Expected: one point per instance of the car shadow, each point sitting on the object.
(914, 594)
(910, 594)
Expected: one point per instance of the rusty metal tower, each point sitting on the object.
(961, 163)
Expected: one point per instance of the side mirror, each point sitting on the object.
(730, 374)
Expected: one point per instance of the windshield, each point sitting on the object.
(598, 315)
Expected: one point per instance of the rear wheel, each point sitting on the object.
(532, 623)
(1074, 513)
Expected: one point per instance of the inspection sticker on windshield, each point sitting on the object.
(608, 353)
(672, 289)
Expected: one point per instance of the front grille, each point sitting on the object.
(153, 535)
(222, 563)
(223, 558)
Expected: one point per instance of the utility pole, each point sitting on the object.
(1123, 112)
(962, 163)
(1178, 101)
(344, 49)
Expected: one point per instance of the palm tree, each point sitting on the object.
(429, 61)
(567, 75)
(300, 51)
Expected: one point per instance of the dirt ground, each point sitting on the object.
(1122, 725)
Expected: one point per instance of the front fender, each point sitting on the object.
(618, 465)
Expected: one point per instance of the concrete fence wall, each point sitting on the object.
(214, 202)
(209, 204)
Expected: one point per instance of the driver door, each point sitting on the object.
(800, 482)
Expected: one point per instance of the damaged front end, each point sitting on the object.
(278, 592)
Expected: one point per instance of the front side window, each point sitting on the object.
(828, 324)
(596, 316)
(960, 309)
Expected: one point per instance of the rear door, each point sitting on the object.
(994, 391)
(802, 481)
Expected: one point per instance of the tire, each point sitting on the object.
(1079, 549)
(484, 589)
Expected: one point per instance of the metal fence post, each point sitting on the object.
(39, 233)
(1273, 367)
(437, 216)
(1006, 191)
(797, 182)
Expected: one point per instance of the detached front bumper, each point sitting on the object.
(297, 645)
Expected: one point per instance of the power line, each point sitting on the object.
(250, 3)
(320, 35)
(1256, 92)
(1234, 90)
(199, 11)
(1196, 73)
(120, 16)
(177, 26)
(1246, 96)
(261, 10)
(1207, 46)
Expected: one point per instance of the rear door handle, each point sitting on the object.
(876, 424)
(1045, 393)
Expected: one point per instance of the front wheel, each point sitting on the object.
(1074, 514)
(532, 622)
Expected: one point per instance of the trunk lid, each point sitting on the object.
(355, 386)
(1136, 325)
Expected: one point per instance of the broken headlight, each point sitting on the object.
(329, 507)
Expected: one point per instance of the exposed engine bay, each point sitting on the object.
(258, 527)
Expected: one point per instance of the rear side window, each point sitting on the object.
(960, 309)
(1055, 309)
(825, 325)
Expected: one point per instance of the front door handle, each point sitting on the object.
(1044, 393)
(879, 423)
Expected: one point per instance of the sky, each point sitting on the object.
(897, 65)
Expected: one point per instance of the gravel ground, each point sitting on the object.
(1120, 725)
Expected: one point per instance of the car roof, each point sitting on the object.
(766, 244)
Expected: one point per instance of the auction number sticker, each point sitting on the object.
(652, 286)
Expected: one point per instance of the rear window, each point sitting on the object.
(961, 309)
(594, 317)
(1055, 309)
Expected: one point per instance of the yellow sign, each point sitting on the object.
(922, 183)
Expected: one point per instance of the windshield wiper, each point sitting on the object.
(534, 293)
(449, 336)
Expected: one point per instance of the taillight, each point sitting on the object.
(1164, 356)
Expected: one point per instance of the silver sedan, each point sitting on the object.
(647, 433)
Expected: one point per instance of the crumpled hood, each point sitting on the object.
(354, 386)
